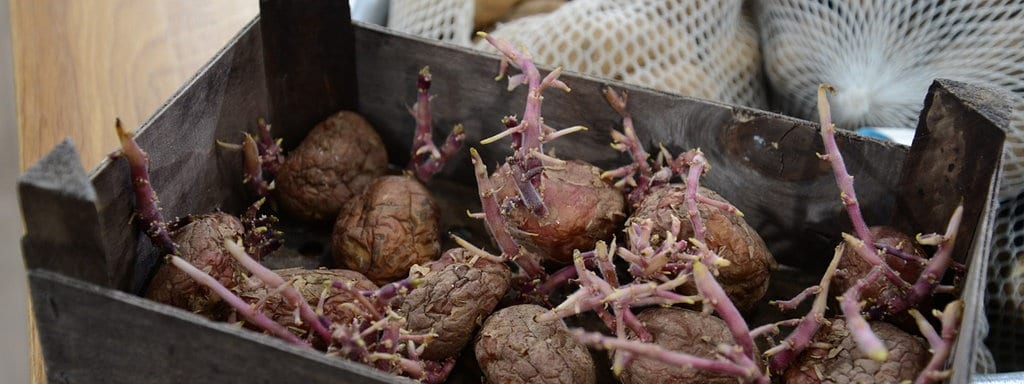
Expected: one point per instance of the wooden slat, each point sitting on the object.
(95, 335)
(189, 171)
(308, 52)
(959, 136)
(59, 206)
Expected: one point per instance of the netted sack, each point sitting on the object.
(1004, 298)
(706, 49)
(882, 55)
(447, 20)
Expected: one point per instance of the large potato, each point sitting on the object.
(201, 243)
(335, 162)
(582, 209)
(310, 283)
(745, 280)
(513, 347)
(390, 227)
(452, 299)
(679, 330)
(833, 357)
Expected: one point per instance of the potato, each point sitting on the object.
(582, 209)
(334, 163)
(390, 227)
(512, 347)
(854, 267)
(745, 280)
(310, 283)
(843, 362)
(679, 330)
(201, 243)
(452, 299)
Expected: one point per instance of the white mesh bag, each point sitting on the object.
(706, 49)
(447, 20)
(883, 54)
(1004, 296)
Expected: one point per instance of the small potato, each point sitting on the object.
(335, 162)
(582, 209)
(201, 243)
(512, 347)
(679, 330)
(833, 357)
(745, 280)
(387, 229)
(310, 283)
(882, 291)
(452, 299)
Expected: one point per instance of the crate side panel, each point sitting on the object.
(764, 163)
(961, 134)
(189, 171)
(96, 335)
(62, 231)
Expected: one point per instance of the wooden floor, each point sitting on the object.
(80, 64)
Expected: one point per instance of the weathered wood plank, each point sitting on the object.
(308, 53)
(190, 172)
(62, 230)
(95, 335)
(959, 137)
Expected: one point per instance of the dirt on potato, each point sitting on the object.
(453, 298)
(745, 280)
(512, 347)
(387, 229)
(582, 209)
(335, 162)
(833, 357)
(201, 243)
(679, 330)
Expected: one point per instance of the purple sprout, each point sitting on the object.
(427, 159)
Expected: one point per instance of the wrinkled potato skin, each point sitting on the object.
(855, 267)
(390, 227)
(310, 284)
(679, 330)
(908, 355)
(745, 280)
(335, 162)
(514, 348)
(201, 243)
(453, 298)
(582, 209)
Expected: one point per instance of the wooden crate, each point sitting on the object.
(299, 63)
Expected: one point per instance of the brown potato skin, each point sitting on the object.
(201, 243)
(882, 290)
(582, 209)
(452, 299)
(679, 330)
(310, 284)
(908, 355)
(745, 280)
(514, 348)
(336, 161)
(390, 227)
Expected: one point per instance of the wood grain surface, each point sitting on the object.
(80, 64)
